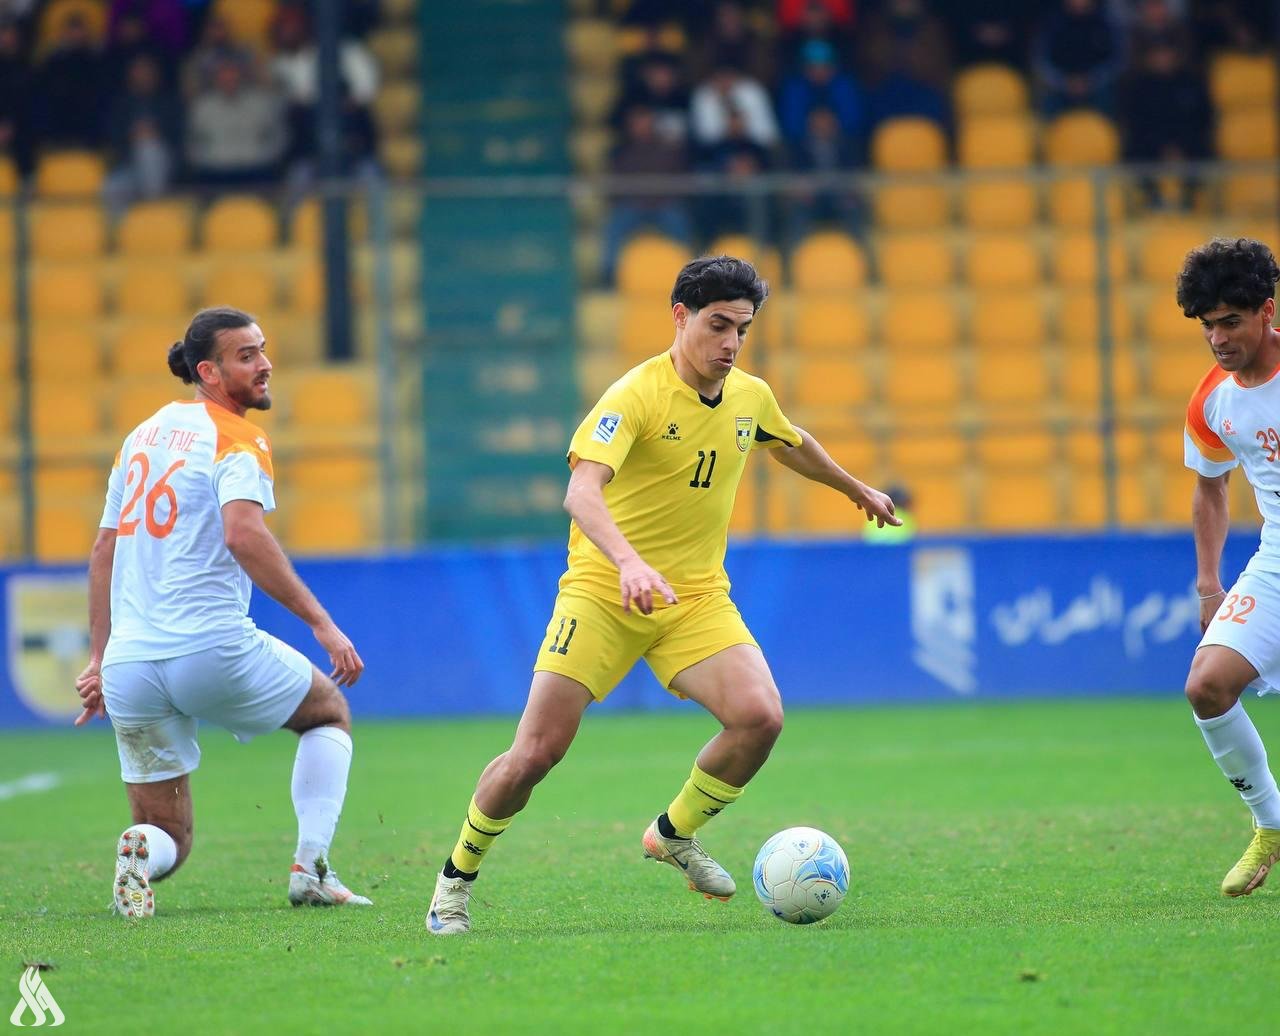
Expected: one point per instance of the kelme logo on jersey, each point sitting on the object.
(1226, 427)
(673, 432)
(607, 427)
(744, 433)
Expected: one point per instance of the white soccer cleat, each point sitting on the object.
(448, 914)
(687, 855)
(131, 894)
(323, 889)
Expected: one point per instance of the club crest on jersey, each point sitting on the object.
(744, 433)
(607, 427)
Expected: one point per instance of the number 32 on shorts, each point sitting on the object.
(1236, 609)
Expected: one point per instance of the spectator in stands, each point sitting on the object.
(739, 210)
(144, 137)
(906, 60)
(827, 151)
(164, 22)
(802, 21)
(1166, 115)
(730, 32)
(15, 96)
(1234, 24)
(730, 93)
(659, 86)
(236, 131)
(1155, 23)
(820, 83)
(67, 93)
(129, 39)
(216, 48)
(1077, 57)
(989, 31)
(644, 152)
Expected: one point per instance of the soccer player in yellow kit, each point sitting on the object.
(655, 467)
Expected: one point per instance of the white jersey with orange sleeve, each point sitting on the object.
(1229, 425)
(175, 587)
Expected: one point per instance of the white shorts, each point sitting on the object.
(250, 687)
(1248, 622)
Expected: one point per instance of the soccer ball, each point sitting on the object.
(801, 875)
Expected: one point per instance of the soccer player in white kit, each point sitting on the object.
(1234, 420)
(171, 643)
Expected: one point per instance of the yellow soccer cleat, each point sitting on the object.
(1254, 865)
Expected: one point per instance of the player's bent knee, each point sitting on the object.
(324, 706)
(533, 762)
(1208, 693)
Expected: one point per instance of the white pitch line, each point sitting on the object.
(29, 785)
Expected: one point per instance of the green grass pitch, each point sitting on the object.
(1039, 867)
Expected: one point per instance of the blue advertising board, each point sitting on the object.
(456, 631)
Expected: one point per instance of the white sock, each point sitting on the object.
(1236, 747)
(319, 787)
(162, 850)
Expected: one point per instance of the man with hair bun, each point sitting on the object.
(1233, 420)
(655, 468)
(182, 541)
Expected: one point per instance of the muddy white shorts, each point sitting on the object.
(1248, 622)
(249, 686)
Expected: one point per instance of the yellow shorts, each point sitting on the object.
(595, 642)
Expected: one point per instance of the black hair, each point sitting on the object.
(1237, 272)
(719, 278)
(201, 340)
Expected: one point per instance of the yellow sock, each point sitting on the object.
(478, 833)
(701, 798)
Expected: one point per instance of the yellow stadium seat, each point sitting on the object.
(1084, 447)
(248, 20)
(989, 89)
(1164, 245)
(910, 206)
(152, 290)
(921, 380)
(1014, 445)
(66, 410)
(1239, 80)
(239, 223)
(71, 230)
(92, 12)
(589, 146)
(9, 179)
(1073, 203)
(1251, 193)
(915, 260)
(1177, 368)
(1177, 484)
(8, 235)
(764, 258)
(592, 43)
(996, 142)
(1078, 318)
(648, 264)
(66, 290)
(306, 227)
(827, 261)
(396, 49)
(398, 106)
(133, 400)
(156, 228)
(1080, 374)
(1165, 326)
(919, 319)
(306, 288)
(69, 174)
(645, 328)
(251, 287)
(1013, 320)
(333, 397)
(942, 501)
(909, 144)
(999, 205)
(1004, 376)
(326, 522)
(1002, 261)
(336, 472)
(826, 323)
(938, 450)
(140, 346)
(62, 351)
(827, 383)
(66, 527)
(1017, 498)
(820, 511)
(1081, 138)
(592, 98)
(1075, 259)
(1248, 135)
(69, 478)
(1087, 498)
(598, 318)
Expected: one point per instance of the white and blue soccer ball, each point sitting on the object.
(801, 875)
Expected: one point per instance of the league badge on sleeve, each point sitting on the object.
(607, 427)
(744, 433)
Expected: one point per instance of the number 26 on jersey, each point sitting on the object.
(160, 507)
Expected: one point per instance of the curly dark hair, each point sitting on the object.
(1237, 272)
(719, 278)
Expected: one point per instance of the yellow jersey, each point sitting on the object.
(677, 459)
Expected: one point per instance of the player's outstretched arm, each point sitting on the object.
(584, 501)
(813, 462)
(89, 682)
(251, 544)
(1210, 518)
